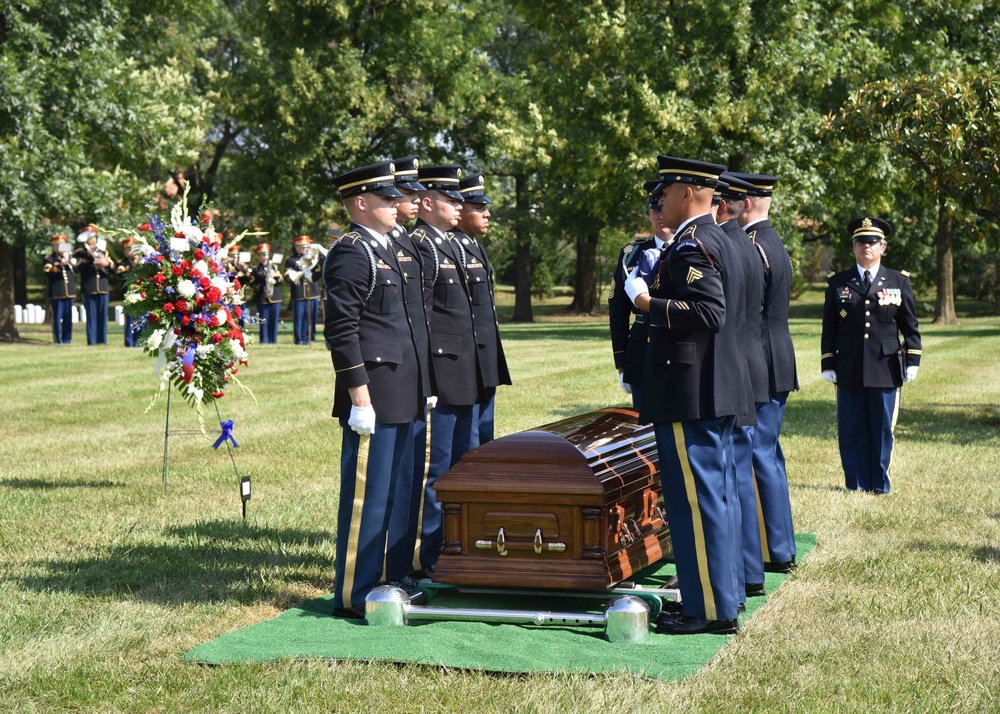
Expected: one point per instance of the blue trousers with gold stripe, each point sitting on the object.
(753, 558)
(866, 423)
(483, 419)
(368, 471)
(776, 533)
(701, 512)
(62, 320)
(451, 438)
(407, 504)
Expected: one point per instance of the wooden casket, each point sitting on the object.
(576, 504)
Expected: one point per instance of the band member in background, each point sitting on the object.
(94, 266)
(264, 280)
(472, 226)
(867, 308)
(123, 269)
(59, 269)
(304, 271)
(378, 386)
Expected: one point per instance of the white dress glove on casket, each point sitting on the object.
(362, 420)
(911, 373)
(626, 387)
(635, 286)
(830, 376)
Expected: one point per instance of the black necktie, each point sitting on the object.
(868, 281)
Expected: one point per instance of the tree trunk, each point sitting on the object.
(585, 285)
(522, 254)
(944, 310)
(8, 332)
(20, 275)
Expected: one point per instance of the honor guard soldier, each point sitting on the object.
(59, 269)
(867, 308)
(378, 386)
(404, 522)
(627, 322)
(771, 477)
(305, 272)
(454, 355)
(691, 393)
(264, 280)
(732, 202)
(124, 271)
(473, 225)
(94, 266)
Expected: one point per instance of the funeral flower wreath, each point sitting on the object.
(186, 306)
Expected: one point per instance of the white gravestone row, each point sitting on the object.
(35, 314)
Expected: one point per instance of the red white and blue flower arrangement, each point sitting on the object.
(187, 305)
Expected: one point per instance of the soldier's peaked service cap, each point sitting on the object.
(761, 185)
(473, 189)
(699, 173)
(735, 187)
(869, 230)
(444, 178)
(376, 178)
(406, 173)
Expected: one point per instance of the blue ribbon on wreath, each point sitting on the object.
(226, 435)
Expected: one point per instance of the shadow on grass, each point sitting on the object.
(550, 331)
(987, 554)
(215, 561)
(930, 422)
(42, 484)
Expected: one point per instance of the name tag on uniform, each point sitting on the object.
(844, 295)
(404, 258)
(383, 266)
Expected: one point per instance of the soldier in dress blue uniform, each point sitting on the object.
(304, 271)
(771, 478)
(378, 389)
(732, 201)
(473, 225)
(404, 522)
(867, 308)
(124, 270)
(264, 279)
(94, 266)
(692, 393)
(628, 341)
(59, 269)
(454, 355)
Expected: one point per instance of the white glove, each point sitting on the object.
(362, 420)
(626, 387)
(635, 286)
(911, 373)
(432, 402)
(830, 376)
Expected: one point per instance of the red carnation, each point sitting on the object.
(168, 307)
(145, 227)
(218, 395)
(159, 259)
(205, 218)
(216, 338)
(159, 278)
(142, 294)
(214, 322)
(204, 283)
(200, 320)
(181, 305)
(186, 264)
(177, 271)
(238, 311)
(178, 234)
(154, 319)
(199, 254)
(177, 330)
(213, 294)
(236, 284)
(235, 370)
(195, 274)
(185, 321)
(200, 302)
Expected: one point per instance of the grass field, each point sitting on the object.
(105, 581)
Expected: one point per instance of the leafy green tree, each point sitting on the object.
(83, 125)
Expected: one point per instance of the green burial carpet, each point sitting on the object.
(308, 631)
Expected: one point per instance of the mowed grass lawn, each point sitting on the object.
(105, 581)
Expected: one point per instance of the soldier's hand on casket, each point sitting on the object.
(362, 419)
(432, 402)
(830, 376)
(911, 373)
(635, 286)
(626, 387)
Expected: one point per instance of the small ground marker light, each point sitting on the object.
(244, 493)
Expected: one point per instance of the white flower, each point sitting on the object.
(192, 233)
(201, 266)
(186, 289)
(238, 352)
(221, 315)
(203, 350)
(222, 284)
(132, 297)
(155, 339)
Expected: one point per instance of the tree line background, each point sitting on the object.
(870, 107)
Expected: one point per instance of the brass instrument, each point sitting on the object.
(269, 280)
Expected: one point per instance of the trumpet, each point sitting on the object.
(308, 262)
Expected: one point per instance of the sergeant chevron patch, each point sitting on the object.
(694, 274)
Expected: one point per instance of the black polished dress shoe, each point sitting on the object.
(354, 613)
(785, 566)
(670, 610)
(755, 590)
(684, 625)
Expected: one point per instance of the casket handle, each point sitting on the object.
(538, 540)
(661, 514)
(502, 541)
(638, 529)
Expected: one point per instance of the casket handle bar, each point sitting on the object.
(537, 545)
(660, 513)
